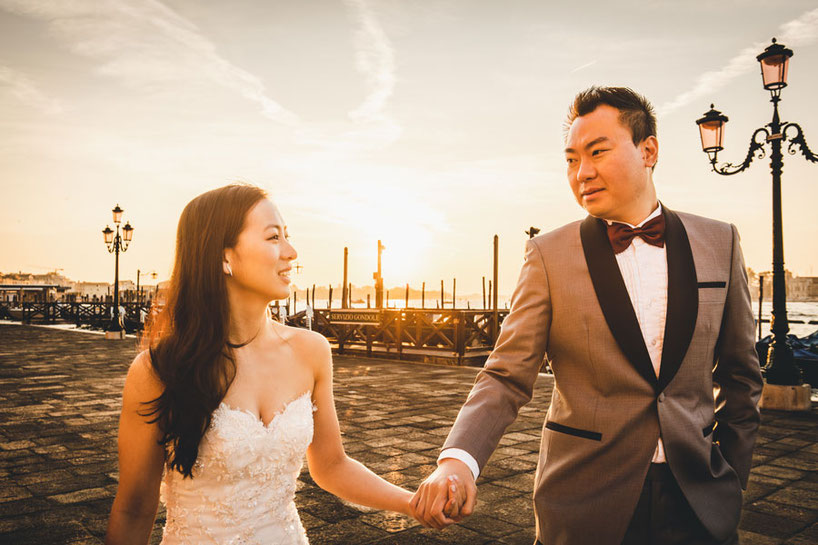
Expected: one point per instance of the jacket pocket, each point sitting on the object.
(585, 434)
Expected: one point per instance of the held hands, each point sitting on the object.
(446, 496)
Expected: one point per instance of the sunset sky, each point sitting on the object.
(431, 125)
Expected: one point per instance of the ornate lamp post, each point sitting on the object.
(117, 243)
(780, 366)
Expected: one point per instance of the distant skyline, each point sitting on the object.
(432, 126)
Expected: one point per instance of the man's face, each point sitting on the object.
(609, 175)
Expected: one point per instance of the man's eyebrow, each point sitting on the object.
(590, 144)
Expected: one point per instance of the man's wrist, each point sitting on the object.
(461, 456)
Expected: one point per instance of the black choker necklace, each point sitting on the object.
(234, 346)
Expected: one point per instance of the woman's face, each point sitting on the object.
(261, 259)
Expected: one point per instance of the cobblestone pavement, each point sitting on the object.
(60, 400)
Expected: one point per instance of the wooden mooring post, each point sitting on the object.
(344, 292)
(496, 321)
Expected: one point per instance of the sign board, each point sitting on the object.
(354, 316)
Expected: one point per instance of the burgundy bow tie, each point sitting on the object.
(621, 235)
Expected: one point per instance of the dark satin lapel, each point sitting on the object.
(682, 298)
(613, 296)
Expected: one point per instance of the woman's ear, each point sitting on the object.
(228, 270)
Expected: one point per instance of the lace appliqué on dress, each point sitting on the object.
(244, 480)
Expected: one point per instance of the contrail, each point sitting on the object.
(583, 66)
(800, 31)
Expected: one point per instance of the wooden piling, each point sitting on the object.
(344, 293)
(423, 296)
(496, 325)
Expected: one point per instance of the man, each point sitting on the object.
(644, 315)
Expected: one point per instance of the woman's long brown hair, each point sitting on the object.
(188, 337)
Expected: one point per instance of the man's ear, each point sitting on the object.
(650, 151)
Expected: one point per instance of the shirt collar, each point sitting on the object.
(652, 215)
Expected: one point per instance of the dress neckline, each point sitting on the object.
(258, 418)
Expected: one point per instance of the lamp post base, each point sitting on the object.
(786, 398)
(118, 335)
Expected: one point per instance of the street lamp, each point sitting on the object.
(117, 243)
(780, 367)
(152, 274)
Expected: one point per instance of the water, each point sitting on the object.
(796, 310)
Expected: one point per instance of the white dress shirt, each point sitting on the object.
(644, 270)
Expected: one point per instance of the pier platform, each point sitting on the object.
(60, 396)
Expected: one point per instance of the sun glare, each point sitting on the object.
(405, 251)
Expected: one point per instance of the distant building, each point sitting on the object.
(53, 286)
(20, 286)
(87, 291)
(799, 288)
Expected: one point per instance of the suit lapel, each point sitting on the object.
(682, 298)
(613, 296)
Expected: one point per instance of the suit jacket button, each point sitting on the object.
(661, 397)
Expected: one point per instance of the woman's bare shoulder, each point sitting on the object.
(142, 379)
(303, 339)
(310, 347)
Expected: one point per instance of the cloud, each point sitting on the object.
(372, 127)
(145, 43)
(23, 89)
(375, 59)
(800, 31)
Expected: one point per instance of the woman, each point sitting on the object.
(220, 407)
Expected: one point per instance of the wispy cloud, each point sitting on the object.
(800, 31)
(375, 59)
(145, 43)
(372, 126)
(24, 89)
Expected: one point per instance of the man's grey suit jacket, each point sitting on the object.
(608, 408)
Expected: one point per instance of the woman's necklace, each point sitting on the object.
(234, 346)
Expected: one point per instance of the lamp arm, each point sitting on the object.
(728, 169)
(800, 141)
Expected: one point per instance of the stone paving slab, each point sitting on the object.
(60, 395)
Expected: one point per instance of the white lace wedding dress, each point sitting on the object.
(243, 485)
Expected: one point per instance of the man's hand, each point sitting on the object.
(442, 493)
